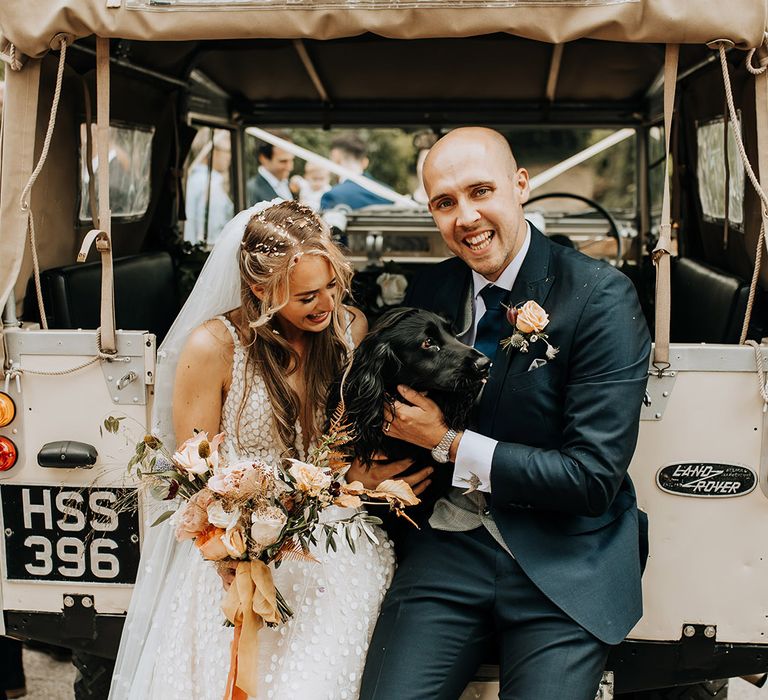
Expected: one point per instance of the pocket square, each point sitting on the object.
(538, 362)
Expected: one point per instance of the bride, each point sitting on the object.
(253, 352)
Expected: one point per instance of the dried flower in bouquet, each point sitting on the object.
(252, 515)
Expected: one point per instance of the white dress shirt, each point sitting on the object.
(475, 452)
(280, 186)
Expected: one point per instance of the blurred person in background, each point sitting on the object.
(272, 177)
(422, 142)
(351, 153)
(311, 187)
(208, 202)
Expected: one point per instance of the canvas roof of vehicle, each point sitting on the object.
(32, 25)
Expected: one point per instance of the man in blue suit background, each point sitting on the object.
(351, 153)
(535, 541)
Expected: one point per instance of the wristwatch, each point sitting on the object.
(441, 451)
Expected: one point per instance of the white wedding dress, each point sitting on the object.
(318, 654)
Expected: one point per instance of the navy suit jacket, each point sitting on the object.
(351, 194)
(257, 189)
(567, 430)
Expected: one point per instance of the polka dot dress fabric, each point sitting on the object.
(319, 654)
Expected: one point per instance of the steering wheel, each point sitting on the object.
(613, 229)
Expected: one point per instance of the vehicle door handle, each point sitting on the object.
(67, 454)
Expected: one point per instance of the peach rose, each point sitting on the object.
(234, 542)
(192, 517)
(309, 477)
(228, 479)
(531, 318)
(210, 544)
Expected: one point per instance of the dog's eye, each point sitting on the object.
(429, 344)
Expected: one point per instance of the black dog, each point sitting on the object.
(415, 348)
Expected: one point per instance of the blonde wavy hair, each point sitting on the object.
(273, 243)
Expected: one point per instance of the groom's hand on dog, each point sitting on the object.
(382, 468)
(419, 421)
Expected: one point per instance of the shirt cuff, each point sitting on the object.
(473, 462)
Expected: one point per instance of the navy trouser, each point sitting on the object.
(454, 595)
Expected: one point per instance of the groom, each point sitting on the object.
(535, 547)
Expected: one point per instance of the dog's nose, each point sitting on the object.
(482, 365)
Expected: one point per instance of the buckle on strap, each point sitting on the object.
(103, 244)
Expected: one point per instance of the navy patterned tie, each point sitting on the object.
(491, 326)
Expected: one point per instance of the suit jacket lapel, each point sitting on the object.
(533, 283)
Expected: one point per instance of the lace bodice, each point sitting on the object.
(257, 435)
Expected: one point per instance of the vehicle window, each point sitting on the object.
(656, 160)
(130, 156)
(712, 175)
(389, 156)
(209, 200)
(580, 163)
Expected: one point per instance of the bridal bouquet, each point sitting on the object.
(251, 514)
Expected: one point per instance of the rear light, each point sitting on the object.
(7, 409)
(8, 454)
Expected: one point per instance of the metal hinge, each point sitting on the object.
(657, 393)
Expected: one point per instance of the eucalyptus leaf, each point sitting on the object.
(350, 541)
(369, 532)
(162, 518)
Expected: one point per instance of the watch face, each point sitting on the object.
(440, 456)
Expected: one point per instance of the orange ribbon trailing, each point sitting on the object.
(250, 603)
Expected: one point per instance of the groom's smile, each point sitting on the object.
(478, 242)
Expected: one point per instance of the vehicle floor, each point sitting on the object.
(48, 679)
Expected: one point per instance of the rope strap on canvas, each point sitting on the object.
(761, 114)
(24, 202)
(761, 383)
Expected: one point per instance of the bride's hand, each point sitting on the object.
(382, 469)
(226, 569)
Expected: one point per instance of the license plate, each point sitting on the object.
(63, 534)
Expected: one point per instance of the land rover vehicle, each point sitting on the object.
(68, 557)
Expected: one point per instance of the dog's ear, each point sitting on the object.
(364, 394)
